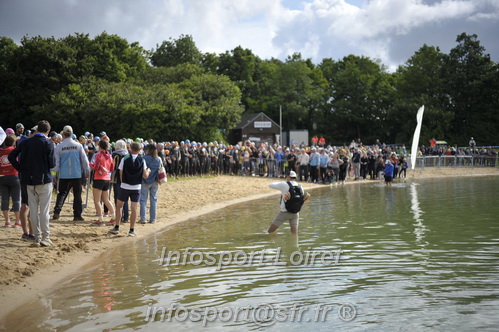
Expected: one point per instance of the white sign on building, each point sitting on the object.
(263, 124)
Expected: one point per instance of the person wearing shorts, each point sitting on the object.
(25, 224)
(102, 166)
(285, 215)
(132, 170)
(10, 187)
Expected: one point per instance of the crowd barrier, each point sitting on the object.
(456, 161)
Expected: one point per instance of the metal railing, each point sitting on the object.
(456, 161)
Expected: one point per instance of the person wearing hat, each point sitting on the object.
(203, 157)
(185, 158)
(175, 157)
(53, 138)
(71, 164)
(210, 160)
(286, 195)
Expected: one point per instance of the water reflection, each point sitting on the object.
(419, 227)
(288, 243)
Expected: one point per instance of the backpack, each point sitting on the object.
(295, 202)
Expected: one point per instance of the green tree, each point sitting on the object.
(216, 101)
(9, 91)
(468, 73)
(296, 87)
(200, 107)
(210, 62)
(360, 96)
(40, 68)
(487, 104)
(243, 68)
(419, 82)
(167, 75)
(174, 52)
(43, 67)
(115, 59)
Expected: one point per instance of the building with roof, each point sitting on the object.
(256, 127)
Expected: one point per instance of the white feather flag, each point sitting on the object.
(415, 139)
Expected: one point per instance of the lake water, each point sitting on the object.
(417, 256)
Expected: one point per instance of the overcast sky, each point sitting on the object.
(390, 30)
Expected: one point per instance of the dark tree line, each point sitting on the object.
(175, 91)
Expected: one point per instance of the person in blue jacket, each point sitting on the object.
(71, 164)
(314, 165)
(388, 172)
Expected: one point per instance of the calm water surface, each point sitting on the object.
(418, 256)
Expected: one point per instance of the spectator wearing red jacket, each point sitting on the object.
(103, 165)
(10, 186)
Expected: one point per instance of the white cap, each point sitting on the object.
(292, 174)
(67, 129)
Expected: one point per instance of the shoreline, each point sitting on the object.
(80, 245)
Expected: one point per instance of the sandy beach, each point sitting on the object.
(28, 272)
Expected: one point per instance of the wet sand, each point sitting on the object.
(27, 272)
